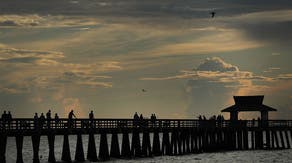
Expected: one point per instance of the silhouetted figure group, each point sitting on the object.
(140, 120)
(41, 121)
(213, 121)
(6, 119)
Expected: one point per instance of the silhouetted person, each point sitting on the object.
(259, 122)
(141, 120)
(4, 118)
(253, 122)
(153, 119)
(49, 118)
(57, 120)
(36, 121)
(70, 118)
(204, 118)
(9, 119)
(136, 116)
(42, 120)
(91, 118)
(136, 119)
(200, 117)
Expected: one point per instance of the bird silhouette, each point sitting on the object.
(143, 90)
(213, 14)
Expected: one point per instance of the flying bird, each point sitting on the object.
(143, 90)
(213, 14)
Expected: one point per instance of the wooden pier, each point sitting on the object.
(179, 136)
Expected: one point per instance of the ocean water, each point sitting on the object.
(228, 156)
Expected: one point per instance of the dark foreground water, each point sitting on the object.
(230, 156)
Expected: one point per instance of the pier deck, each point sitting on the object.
(179, 136)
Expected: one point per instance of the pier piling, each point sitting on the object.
(115, 148)
(66, 156)
(79, 152)
(103, 148)
(3, 144)
(51, 142)
(36, 144)
(19, 145)
(91, 150)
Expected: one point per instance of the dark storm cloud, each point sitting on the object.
(280, 32)
(181, 8)
(160, 12)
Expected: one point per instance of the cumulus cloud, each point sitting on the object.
(216, 64)
(215, 69)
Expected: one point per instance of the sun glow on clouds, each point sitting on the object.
(215, 78)
(73, 104)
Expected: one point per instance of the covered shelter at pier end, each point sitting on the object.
(248, 104)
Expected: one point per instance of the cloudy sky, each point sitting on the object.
(99, 54)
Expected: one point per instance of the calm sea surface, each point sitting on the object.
(230, 156)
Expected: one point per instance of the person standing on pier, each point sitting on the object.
(57, 120)
(141, 120)
(4, 119)
(42, 120)
(70, 118)
(91, 118)
(49, 119)
(136, 119)
(153, 119)
(36, 121)
(9, 119)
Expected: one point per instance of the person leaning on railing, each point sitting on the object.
(70, 119)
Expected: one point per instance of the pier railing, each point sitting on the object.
(179, 136)
(30, 124)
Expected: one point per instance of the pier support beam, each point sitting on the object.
(3, 143)
(166, 148)
(146, 146)
(51, 141)
(19, 145)
(245, 139)
(103, 148)
(36, 144)
(156, 144)
(79, 154)
(66, 157)
(126, 152)
(287, 139)
(188, 150)
(136, 145)
(174, 142)
(268, 139)
(282, 139)
(115, 148)
(91, 150)
(275, 135)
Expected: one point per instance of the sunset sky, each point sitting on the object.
(99, 54)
